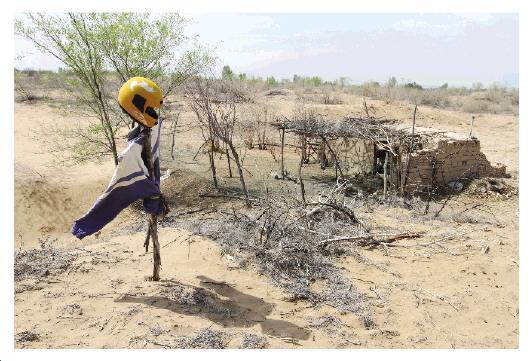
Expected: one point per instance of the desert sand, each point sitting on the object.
(463, 294)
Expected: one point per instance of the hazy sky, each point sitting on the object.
(430, 49)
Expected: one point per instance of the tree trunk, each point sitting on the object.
(114, 153)
(112, 140)
(262, 141)
(240, 170)
(211, 154)
(212, 167)
(228, 160)
(322, 155)
(335, 160)
(304, 149)
(173, 131)
(302, 188)
(152, 218)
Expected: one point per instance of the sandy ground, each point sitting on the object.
(464, 294)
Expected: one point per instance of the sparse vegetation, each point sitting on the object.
(287, 241)
(253, 341)
(27, 336)
(94, 47)
(205, 339)
(46, 261)
(279, 189)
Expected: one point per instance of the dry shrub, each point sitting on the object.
(329, 324)
(46, 261)
(204, 339)
(254, 125)
(27, 336)
(199, 298)
(434, 98)
(253, 341)
(274, 236)
(277, 92)
(495, 99)
(476, 106)
(72, 309)
(331, 99)
(370, 89)
(496, 188)
(492, 100)
(32, 86)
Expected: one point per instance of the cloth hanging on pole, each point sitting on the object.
(129, 183)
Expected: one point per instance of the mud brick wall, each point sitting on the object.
(450, 160)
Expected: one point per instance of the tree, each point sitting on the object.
(72, 40)
(95, 47)
(413, 85)
(477, 86)
(137, 43)
(271, 81)
(315, 81)
(149, 48)
(392, 82)
(227, 73)
(343, 81)
(218, 115)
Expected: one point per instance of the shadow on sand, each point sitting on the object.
(234, 309)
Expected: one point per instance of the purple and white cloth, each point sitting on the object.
(129, 183)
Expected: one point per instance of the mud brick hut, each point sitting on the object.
(439, 158)
(413, 161)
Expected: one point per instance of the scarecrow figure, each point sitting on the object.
(137, 175)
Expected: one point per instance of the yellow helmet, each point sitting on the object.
(139, 97)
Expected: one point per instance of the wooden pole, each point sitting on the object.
(283, 145)
(322, 155)
(302, 188)
(152, 230)
(173, 131)
(338, 169)
(374, 164)
(410, 150)
(385, 174)
(413, 129)
(471, 130)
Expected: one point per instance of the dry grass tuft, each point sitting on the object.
(46, 261)
(204, 339)
(253, 341)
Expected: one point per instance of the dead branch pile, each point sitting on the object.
(46, 261)
(381, 131)
(294, 245)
